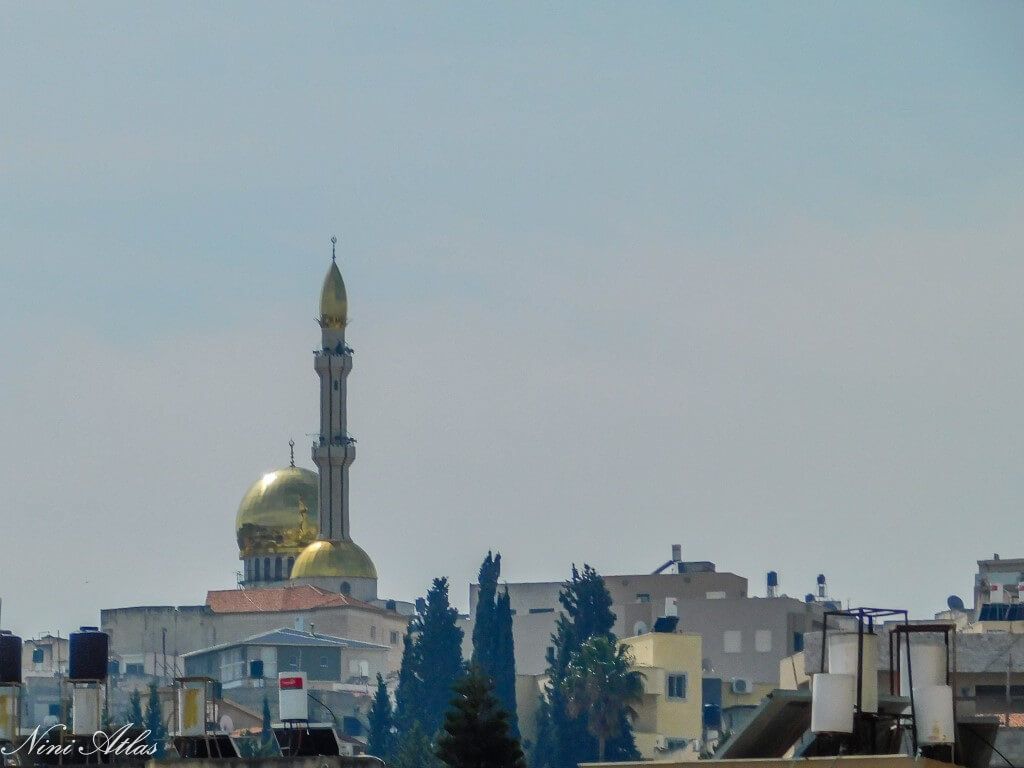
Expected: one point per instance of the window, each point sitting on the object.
(134, 669)
(346, 588)
(323, 662)
(798, 642)
(394, 638)
(643, 597)
(763, 641)
(266, 569)
(732, 641)
(541, 610)
(277, 569)
(256, 570)
(677, 686)
(291, 564)
(373, 633)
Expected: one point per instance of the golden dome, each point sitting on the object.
(333, 300)
(333, 560)
(279, 513)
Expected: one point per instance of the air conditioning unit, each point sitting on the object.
(742, 685)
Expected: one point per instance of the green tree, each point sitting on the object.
(266, 730)
(380, 742)
(493, 647)
(135, 709)
(485, 620)
(563, 741)
(505, 661)
(155, 722)
(409, 694)
(414, 750)
(476, 732)
(438, 656)
(600, 685)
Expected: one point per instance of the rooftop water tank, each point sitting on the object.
(832, 701)
(10, 659)
(842, 660)
(934, 705)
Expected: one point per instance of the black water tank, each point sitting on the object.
(10, 659)
(256, 669)
(88, 654)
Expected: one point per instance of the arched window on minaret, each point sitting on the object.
(291, 564)
(266, 569)
(277, 569)
(256, 569)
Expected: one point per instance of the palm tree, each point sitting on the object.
(599, 681)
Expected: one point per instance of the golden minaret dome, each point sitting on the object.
(333, 299)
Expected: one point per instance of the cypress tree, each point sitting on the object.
(439, 649)
(381, 737)
(135, 709)
(476, 728)
(266, 743)
(484, 624)
(409, 695)
(155, 722)
(505, 661)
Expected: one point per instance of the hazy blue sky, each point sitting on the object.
(741, 276)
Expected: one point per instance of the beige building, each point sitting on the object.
(150, 640)
(670, 718)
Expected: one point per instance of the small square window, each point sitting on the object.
(643, 597)
(763, 641)
(677, 686)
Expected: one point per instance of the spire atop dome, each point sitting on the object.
(333, 298)
(291, 450)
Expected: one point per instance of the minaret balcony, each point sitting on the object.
(335, 362)
(340, 450)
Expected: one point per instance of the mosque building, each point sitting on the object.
(293, 524)
(300, 567)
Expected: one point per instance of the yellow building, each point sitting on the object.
(670, 717)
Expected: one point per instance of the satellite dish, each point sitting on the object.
(226, 723)
(955, 603)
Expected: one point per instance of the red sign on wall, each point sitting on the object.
(290, 682)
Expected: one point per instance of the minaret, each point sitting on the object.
(334, 561)
(334, 451)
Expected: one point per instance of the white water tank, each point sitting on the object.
(832, 700)
(192, 708)
(292, 703)
(934, 707)
(85, 710)
(928, 665)
(842, 660)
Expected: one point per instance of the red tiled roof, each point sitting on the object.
(299, 598)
